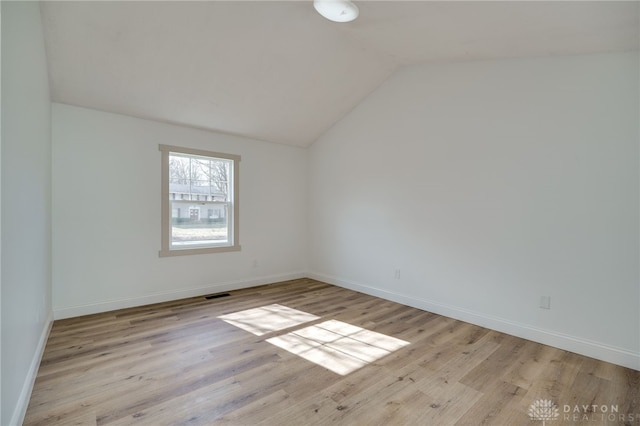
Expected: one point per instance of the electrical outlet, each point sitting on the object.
(397, 274)
(545, 302)
(255, 263)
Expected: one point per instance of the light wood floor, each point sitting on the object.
(177, 363)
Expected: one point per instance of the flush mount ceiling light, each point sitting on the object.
(337, 10)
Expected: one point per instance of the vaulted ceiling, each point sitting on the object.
(278, 71)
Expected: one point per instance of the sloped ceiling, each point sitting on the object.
(278, 71)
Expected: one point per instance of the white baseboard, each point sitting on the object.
(111, 305)
(612, 354)
(25, 394)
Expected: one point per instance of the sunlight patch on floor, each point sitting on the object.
(267, 319)
(338, 346)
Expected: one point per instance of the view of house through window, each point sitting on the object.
(200, 191)
(199, 195)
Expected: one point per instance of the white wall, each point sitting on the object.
(26, 205)
(490, 184)
(106, 214)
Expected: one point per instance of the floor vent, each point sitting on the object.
(216, 296)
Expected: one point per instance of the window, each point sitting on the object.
(199, 201)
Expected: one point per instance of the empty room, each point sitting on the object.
(320, 212)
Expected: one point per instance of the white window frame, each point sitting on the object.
(233, 214)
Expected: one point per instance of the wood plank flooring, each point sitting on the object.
(177, 363)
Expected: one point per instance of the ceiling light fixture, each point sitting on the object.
(337, 10)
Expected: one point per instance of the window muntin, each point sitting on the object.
(199, 201)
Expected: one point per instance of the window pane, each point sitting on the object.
(199, 224)
(179, 170)
(199, 178)
(220, 178)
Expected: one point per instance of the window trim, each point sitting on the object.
(166, 250)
